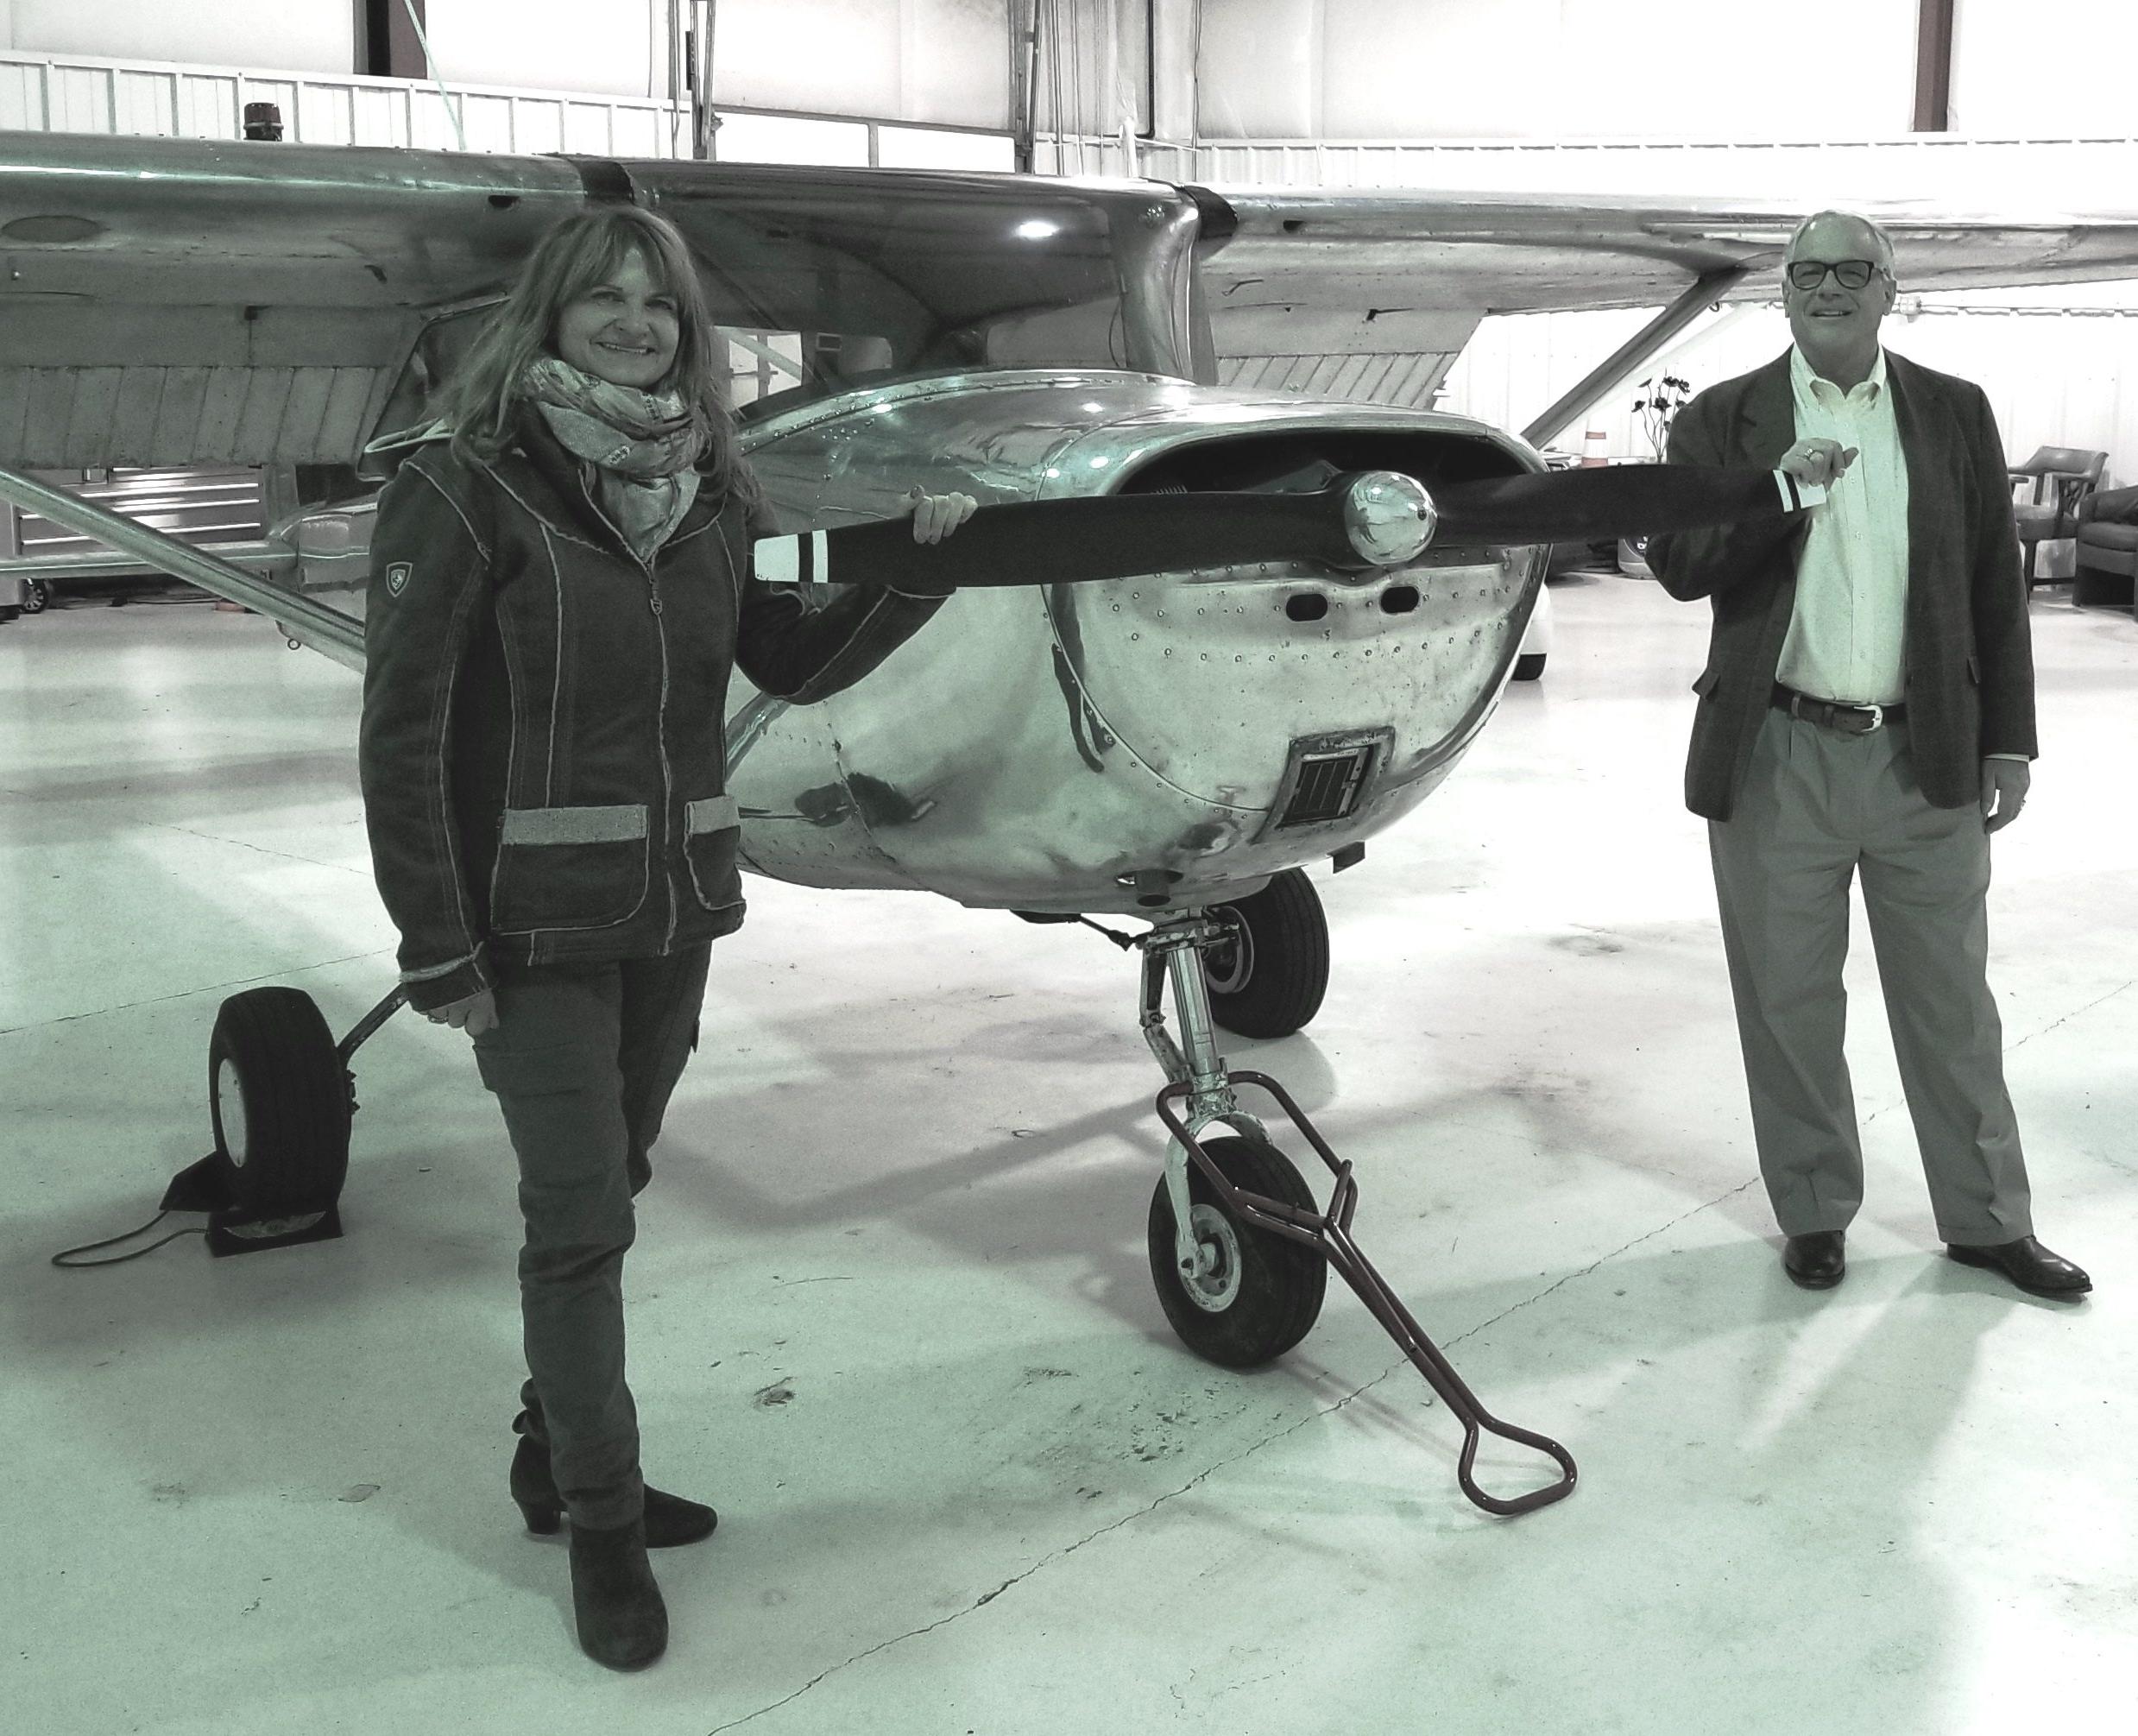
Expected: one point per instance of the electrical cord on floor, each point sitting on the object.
(63, 1258)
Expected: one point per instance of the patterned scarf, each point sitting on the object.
(642, 446)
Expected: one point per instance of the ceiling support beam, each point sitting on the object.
(1934, 66)
(1614, 368)
(1025, 85)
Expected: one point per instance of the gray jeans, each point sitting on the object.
(582, 1061)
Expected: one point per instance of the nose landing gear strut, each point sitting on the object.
(1238, 1251)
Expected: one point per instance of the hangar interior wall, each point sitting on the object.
(298, 35)
(1533, 68)
(1432, 69)
(945, 62)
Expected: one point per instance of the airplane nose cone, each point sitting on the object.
(1389, 517)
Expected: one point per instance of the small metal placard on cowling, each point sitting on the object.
(397, 576)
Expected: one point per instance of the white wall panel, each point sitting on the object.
(1439, 68)
(1351, 69)
(818, 54)
(784, 139)
(914, 148)
(1258, 73)
(1691, 68)
(955, 62)
(947, 62)
(618, 48)
(305, 35)
(2031, 67)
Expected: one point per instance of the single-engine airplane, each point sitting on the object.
(1236, 601)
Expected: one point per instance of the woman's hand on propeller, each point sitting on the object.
(935, 516)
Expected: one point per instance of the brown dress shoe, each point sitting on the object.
(1815, 1261)
(2028, 1264)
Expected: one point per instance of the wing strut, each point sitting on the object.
(1711, 287)
(327, 630)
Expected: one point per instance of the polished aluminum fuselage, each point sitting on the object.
(1039, 748)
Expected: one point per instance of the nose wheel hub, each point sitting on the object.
(1212, 1280)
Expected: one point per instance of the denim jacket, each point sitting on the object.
(543, 751)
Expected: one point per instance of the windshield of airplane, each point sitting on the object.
(822, 283)
(820, 289)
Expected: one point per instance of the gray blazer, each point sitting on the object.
(1971, 676)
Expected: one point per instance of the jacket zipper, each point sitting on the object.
(660, 717)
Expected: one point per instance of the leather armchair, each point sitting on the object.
(2056, 480)
(2107, 547)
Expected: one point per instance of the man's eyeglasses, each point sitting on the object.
(1850, 273)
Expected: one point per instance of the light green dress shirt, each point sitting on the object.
(1847, 638)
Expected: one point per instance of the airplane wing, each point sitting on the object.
(1525, 253)
(177, 302)
(187, 301)
(1373, 293)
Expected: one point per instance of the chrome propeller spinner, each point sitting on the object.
(1388, 518)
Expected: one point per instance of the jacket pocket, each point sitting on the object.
(569, 868)
(712, 830)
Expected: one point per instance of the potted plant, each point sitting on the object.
(1660, 397)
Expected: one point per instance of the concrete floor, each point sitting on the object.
(890, 1308)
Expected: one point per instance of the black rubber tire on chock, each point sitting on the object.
(274, 1060)
(1268, 980)
(1281, 1282)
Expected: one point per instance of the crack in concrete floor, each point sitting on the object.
(243, 844)
(1210, 1471)
(273, 977)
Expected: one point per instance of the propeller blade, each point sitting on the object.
(1070, 541)
(1373, 519)
(1616, 500)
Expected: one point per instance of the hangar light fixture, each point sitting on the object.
(1037, 229)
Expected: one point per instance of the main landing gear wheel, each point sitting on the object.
(279, 1095)
(1267, 977)
(1263, 1291)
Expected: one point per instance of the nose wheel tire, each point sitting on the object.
(279, 1096)
(1267, 977)
(1261, 1292)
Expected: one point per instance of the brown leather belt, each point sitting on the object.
(1832, 714)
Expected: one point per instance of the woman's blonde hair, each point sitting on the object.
(480, 399)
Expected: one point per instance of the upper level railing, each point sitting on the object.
(74, 93)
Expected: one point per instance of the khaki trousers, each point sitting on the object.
(582, 1061)
(1819, 810)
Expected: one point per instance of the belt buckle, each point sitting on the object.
(1877, 718)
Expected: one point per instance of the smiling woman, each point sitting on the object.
(623, 328)
(560, 592)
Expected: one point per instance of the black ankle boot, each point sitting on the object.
(622, 1619)
(670, 1520)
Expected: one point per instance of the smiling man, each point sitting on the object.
(1867, 714)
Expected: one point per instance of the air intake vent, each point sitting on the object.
(1327, 787)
